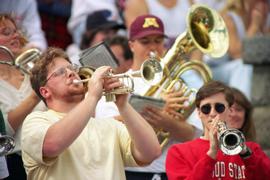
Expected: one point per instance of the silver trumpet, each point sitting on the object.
(151, 71)
(7, 144)
(231, 141)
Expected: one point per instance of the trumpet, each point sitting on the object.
(7, 144)
(151, 71)
(231, 141)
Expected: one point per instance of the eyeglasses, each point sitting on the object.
(206, 109)
(63, 71)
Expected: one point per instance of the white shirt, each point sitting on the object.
(10, 98)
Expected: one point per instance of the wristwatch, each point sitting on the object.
(247, 154)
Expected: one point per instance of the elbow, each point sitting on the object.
(50, 149)
(156, 152)
(146, 159)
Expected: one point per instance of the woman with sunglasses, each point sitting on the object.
(201, 158)
(17, 99)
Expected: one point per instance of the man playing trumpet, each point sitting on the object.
(66, 142)
(202, 158)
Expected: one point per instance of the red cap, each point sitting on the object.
(146, 25)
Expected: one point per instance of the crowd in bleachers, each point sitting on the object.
(67, 130)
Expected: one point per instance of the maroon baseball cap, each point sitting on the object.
(146, 25)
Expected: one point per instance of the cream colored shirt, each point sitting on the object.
(100, 152)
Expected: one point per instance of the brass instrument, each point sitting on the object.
(151, 71)
(7, 144)
(25, 61)
(231, 141)
(207, 32)
(11, 57)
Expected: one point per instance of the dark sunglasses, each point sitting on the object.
(206, 109)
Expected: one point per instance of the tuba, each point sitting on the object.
(231, 141)
(207, 32)
(151, 71)
(7, 144)
(25, 61)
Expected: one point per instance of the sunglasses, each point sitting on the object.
(206, 109)
(63, 71)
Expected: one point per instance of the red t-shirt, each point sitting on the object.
(190, 161)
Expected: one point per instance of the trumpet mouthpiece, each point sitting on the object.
(76, 81)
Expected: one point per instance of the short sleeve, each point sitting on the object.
(34, 130)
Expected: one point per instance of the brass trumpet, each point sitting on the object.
(7, 144)
(231, 141)
(151, 71)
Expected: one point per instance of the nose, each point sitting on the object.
(232, 112)
(153, 46)
(213, 112)
(70, 73)
(16, 34)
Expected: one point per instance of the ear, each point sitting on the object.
(45, 92)
(130, 43)
(199, 113)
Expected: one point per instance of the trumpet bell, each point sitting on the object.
(7, 144)
(152, 71)
(231, 140)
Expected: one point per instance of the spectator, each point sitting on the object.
(17, 99)
(27, 17)
(99, 26)
(122, 52)
(81, 9)
(201, 158)
(241, 115)
(172, 13)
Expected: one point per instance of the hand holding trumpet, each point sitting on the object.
(103, 82)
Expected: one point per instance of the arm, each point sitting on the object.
(70, 127)
(169, 119)
(235, 43)
(258, 19)
(32, 24)
(17, 115)
(145, 144)
(134, 8)
(177, 126)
